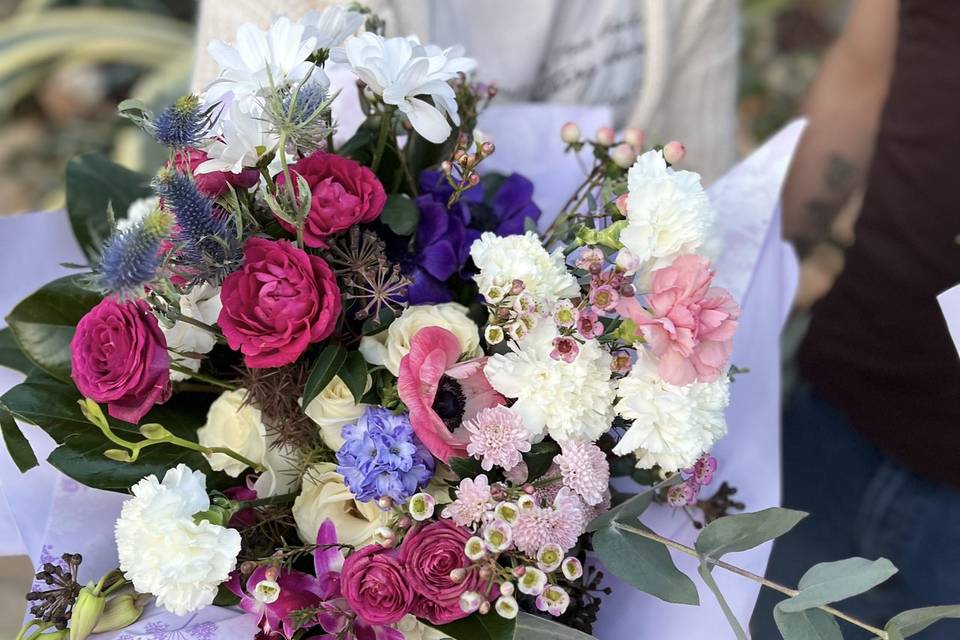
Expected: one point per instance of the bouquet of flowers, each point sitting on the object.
(350, 388)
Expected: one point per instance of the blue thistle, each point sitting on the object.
(207, 238)
(182, 124)
(131, 256)
(302, 113)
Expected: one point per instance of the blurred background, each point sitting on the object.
(65, 65)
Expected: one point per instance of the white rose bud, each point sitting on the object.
(623, 155)
(570, 133)
(606, 136)
(674, 152)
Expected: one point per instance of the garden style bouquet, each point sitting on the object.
(351, 389)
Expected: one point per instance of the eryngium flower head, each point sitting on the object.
(206, 237)
(302, 114)
(183, 124)
(132, 256)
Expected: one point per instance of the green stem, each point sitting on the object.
(196, 375)
(285, 498)
(197, 323)
(880, 633)
(282, 150)
(386, 117)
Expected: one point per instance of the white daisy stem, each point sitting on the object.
(386, 116)
(682, 548)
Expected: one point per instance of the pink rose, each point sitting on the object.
(428, 555)
(278, 303)
(214, 183)
(689, 324)
(119, 356)
(374, 584)
(343, 193)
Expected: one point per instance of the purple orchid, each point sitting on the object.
(275, 595)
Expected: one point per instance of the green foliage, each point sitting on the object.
(525, 627)
(745, 531)
(354, 374)
(539, 458)
(17, 444)
(833, 581)
(812, 624)
(325, 368)
(44, 323)
(627, 512)
(11, 356)
(400, 214)
(914, 621)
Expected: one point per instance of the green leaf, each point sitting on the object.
(17, 444)
(812, 624)
(94, 185)
(745, 531)
(325, 368)
(627, 512)
(44, 323)
(704, 571)
(466, 467)
(400, 214)
(354, 374)
(11, 356)
(834, 581)
(644, 564)
(539, 458)
(914, 621)
(531, 627)
(477, 627)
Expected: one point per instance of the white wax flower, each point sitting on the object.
(163, 551)
(201, 303)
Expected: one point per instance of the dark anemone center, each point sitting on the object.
(483, 217)
(450, 402)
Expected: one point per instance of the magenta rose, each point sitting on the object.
(278, 303)
(214, 183)
(343, 193)
(373, 582)
(119, 356)
(428, 556)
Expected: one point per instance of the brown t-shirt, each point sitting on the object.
(878, 344)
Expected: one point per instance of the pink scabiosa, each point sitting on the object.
(473, 500)
(560, 523)
(584, 469)
(440, 392)
(497, 438)
(689, 324)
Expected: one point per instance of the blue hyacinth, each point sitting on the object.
(382, 457)
(182, 124)
(131, 257)
(207, 240)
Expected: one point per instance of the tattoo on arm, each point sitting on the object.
(838, 181)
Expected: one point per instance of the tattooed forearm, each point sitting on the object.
(839, 180)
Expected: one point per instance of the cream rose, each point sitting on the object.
(388, 347)
(333, 408)
(324, 495)
(236, 424)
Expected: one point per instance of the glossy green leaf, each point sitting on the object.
(914, 621)
(477, 627)
(44, 323)
(745, 531)
(354, 374)
(834, 581)
(400, 214)
(644, 564)
(11, 356)
(325, 368)
(539, 458)
(94, 185)
(812, 624)
(17, 444)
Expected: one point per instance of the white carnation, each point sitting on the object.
(202, 303)
(668, 212)
(672, 426)
(163, 551)
(570, 401)
(501, 260)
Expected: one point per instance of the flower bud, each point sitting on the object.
(458, 575)
(474, 179)
(121, 611)
(86, 612)
(422, 506)
(485, 573)
(635, 137)
(470, 601)
(605, 136)
(506, 607)
(674, 152)
(484, 608)
(506, 588)
(404, 522)
(570, 133)
(622, 200)
(623, 155)
(487, 148)
(446, 166)
(385, 502)
(385, 537)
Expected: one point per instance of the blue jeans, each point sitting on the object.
(862, 503)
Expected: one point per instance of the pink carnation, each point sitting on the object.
(281, 301)
(689, 324)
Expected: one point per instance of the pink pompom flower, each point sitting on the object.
(497, 437)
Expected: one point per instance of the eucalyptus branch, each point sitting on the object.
(880, 633)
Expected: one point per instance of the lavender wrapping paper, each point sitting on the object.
(44, 514)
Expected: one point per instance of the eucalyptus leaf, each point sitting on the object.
(834, 581)
(400, 214)
(354, 374)
(704, 571)
(94, 184)
(812, 624)
(11, 356)
(627, 512)
(477, 627)
(745, 531)
(17, 444)
(531, 627)
(914, 621)
(644, 564)
(44, 322)
(325, 368)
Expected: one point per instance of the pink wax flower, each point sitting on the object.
(565, 348)
(428, 555)
(214, 183)
(442, 393)
(689, 324)
(119, 356)
(278, 303)
(374, 583)
(589, 325)
(343, 193)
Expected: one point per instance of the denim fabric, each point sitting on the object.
(862, 503)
